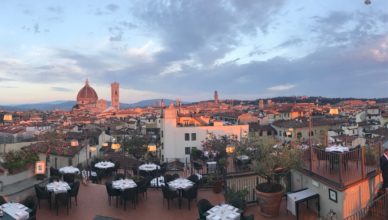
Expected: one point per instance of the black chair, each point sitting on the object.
(31, 203)
(2, 200)
(129, 194)
(73, 192)
(249, 217)
(116, 167)
(175, 176)
(112, 193)
(168, 178)
(55, 172)
(54, 178)
(190, 194)
(169, 195)
(42, 193)
(197, 167)
(142, 188)
(62, 199)
(119, 176)
(203, 206)
(193, 178)
(69, 178)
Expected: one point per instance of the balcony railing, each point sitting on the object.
(342, 169)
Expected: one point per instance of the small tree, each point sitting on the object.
(271, 160)
(218, 144)
(136, 146)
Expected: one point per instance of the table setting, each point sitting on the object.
(123, 184)
(104, 165)
(223, 212)
(15, 211)
(58, 187)
(149, 167)
(69, 169)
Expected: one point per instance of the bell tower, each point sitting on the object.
(115, 95)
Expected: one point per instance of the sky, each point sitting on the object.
(187, 49)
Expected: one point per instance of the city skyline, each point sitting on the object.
(161, 49)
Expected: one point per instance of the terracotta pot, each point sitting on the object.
(217, 186)
(269, 203)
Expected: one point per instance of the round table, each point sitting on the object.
(149, 167)
(123, 184)
(58, 187)
(104, 165)
(69, 169)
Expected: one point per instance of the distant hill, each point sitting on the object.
(68, 105)
(42, 106)
(152, 102)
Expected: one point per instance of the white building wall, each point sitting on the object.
(174, 142)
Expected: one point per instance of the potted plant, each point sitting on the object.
(270, 161)
(215, 182)
(236, 197)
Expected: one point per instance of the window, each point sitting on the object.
(187, 150)
(193, 136)
(161, 134)
(187, 136)
(269, 133)
(261, 133)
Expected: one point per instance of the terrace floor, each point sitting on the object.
(92, 201)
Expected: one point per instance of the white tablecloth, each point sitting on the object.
(294, 197)
(58, 187)
(337, 148)
(16, 211)
(87, 173)
(223, 212)
(123, 184)
(104, 165)
(149, 167)
(242, 157)
(69, 169)
(180, 183)
(158, 181)
(211, 166)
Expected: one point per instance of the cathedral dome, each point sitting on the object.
(87, 95)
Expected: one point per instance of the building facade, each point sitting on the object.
(177, 139)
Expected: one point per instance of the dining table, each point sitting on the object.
(69, 169)
(58, 187)
(179, 185)
(104, 165)
(123, 184)
(148, 167)
(14, 211)
(223, 212)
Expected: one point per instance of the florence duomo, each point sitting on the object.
(87, 99)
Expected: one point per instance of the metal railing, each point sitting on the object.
(342, 168)
(249, 181)
(376, 210)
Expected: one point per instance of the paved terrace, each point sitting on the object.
(92, 201)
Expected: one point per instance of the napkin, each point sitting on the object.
(5, 205)
(20, 206)
(216, 217)
(232, 216)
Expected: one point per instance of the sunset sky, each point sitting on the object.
(186, 49)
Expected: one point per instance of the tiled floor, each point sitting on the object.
(92, 201)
